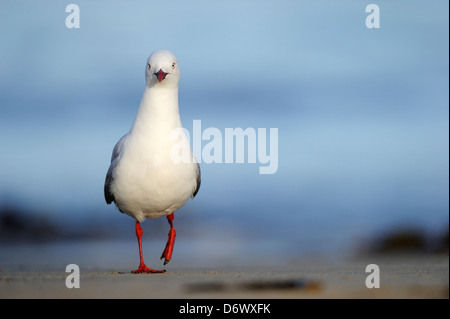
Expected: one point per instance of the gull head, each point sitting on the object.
(162, 69)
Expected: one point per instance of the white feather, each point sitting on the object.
(144, 181)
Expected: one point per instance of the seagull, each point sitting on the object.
(147, 178)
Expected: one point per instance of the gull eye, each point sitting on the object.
(173, 65)
(148, 66)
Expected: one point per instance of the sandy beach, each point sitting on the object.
(401, 277)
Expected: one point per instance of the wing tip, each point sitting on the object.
(198, 180)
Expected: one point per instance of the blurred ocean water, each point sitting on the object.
(362, 114)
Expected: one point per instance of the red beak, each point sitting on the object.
(161, 75)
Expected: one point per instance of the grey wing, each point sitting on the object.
(109, 197)
(198, 180)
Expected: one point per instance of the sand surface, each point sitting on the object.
(400, 277)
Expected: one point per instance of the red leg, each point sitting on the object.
(167, 253)
(142, 267)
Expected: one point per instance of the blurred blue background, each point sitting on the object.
(362, 115)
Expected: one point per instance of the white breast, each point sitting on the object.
(147, 183)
